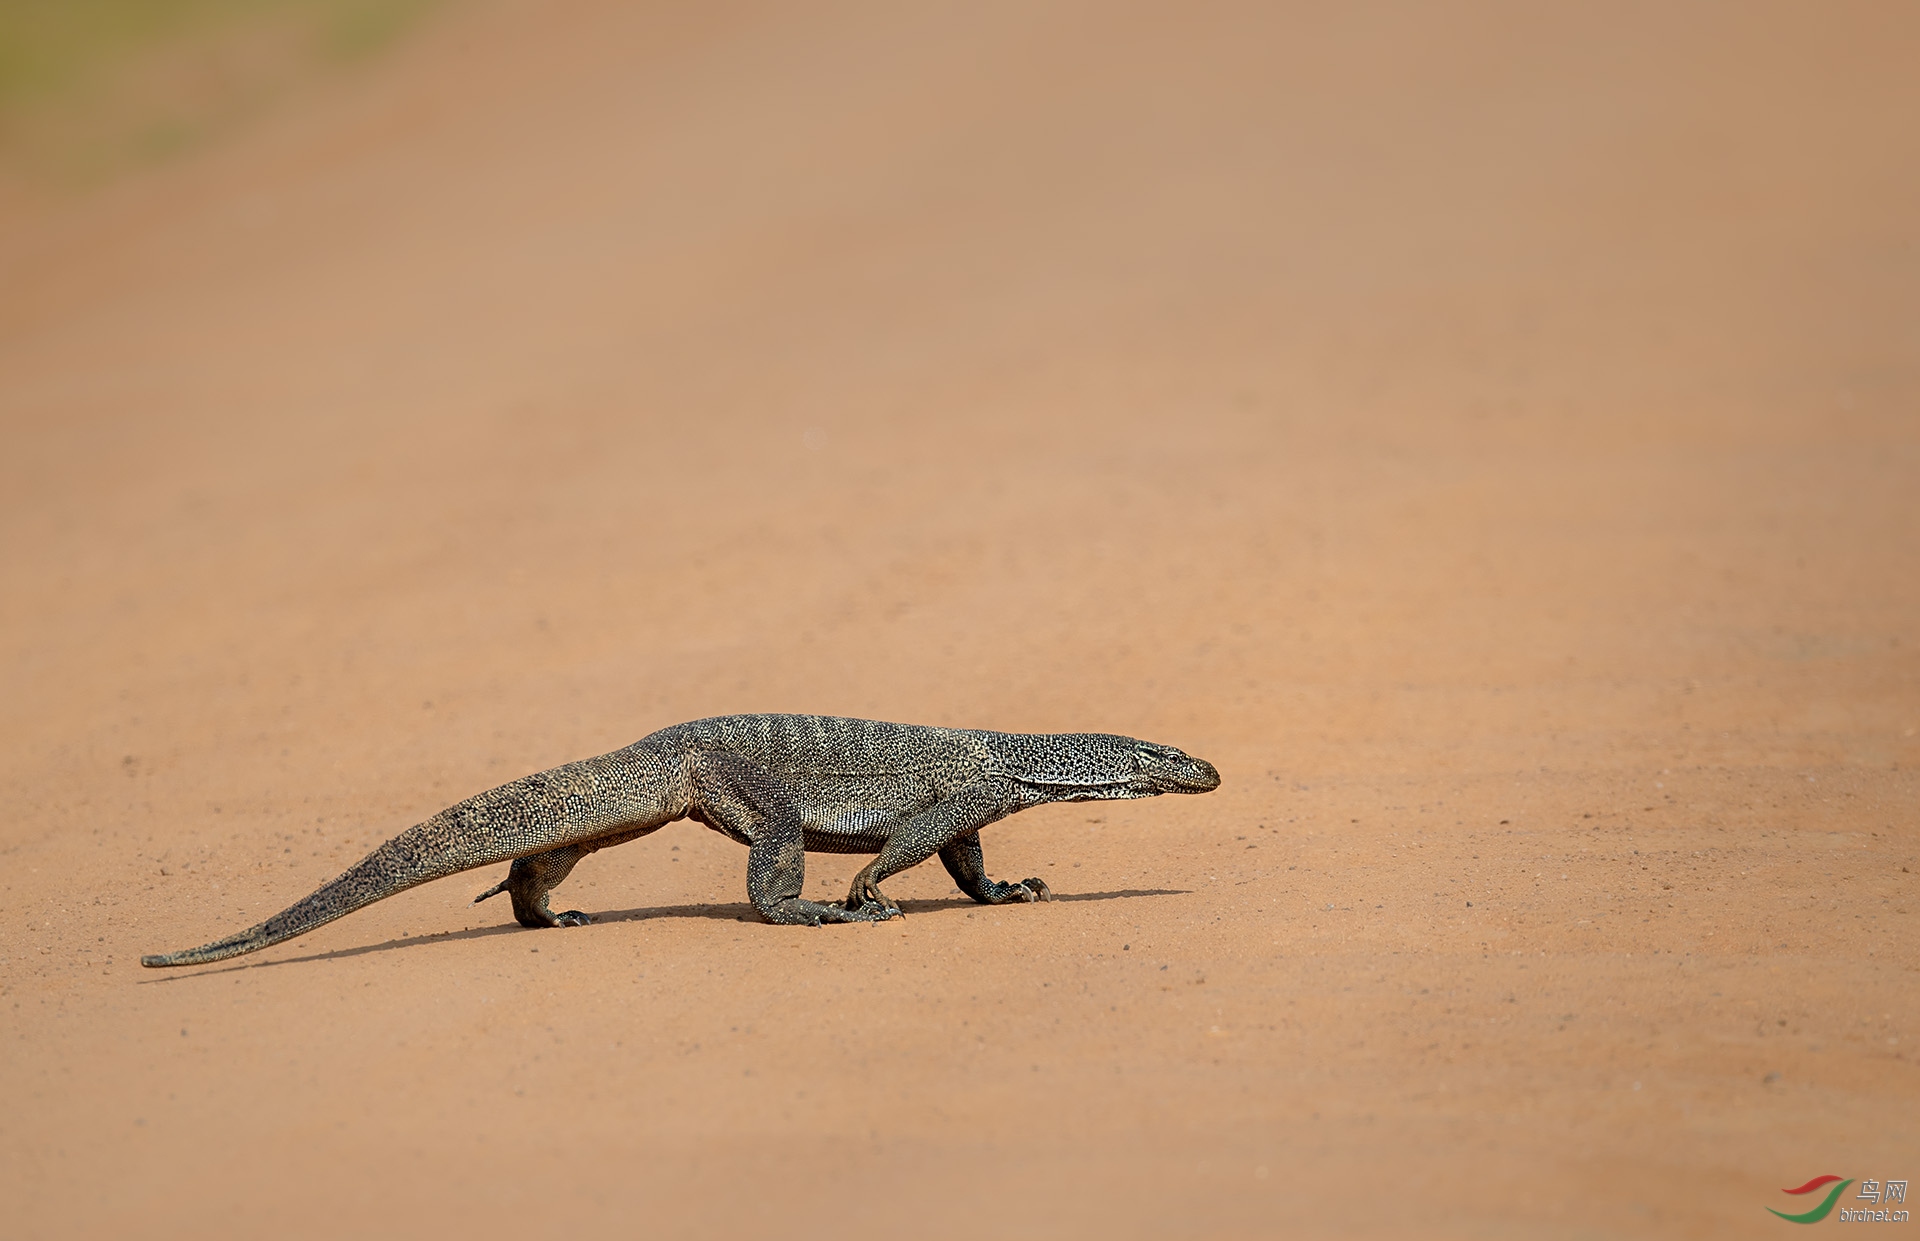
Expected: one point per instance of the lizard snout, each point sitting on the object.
(1201, 777)
(1166, 770)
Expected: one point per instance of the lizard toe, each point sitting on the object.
(866, 895)
(1037, 890)
(573, 917)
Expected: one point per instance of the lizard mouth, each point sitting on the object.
(1195, 775)
(1202, 777)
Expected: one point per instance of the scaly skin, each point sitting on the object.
(783, 785)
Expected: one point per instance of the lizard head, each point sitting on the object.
(1165, 769)
(1101, 766)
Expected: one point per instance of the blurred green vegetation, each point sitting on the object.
(88, 85)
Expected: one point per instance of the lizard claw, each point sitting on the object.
(867, 898)
(1036, 889)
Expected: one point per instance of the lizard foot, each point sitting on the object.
(534, 915)
(866, 896)
(1027, 891)
(795, 912)
(526, 884)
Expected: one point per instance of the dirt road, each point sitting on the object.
(1489, 437)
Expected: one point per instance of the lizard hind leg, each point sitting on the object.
(776, 868)
(750, 803)
(530, 879)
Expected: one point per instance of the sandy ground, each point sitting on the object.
(1490, 438)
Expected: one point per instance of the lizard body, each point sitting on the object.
(783, 785)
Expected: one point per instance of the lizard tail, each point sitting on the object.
(579, 801)
(406, 861)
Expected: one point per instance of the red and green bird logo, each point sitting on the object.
(1824, 1209)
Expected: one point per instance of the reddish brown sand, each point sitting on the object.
(1491, 439)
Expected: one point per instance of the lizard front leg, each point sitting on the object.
(968, 866)
(932, 830)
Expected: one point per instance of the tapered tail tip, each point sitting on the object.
(219, 950)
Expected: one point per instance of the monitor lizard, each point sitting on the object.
(782, 785)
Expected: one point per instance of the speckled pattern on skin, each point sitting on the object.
(782, 785)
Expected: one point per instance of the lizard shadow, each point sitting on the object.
(740, 911)
(967, 903)
(743, 912)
